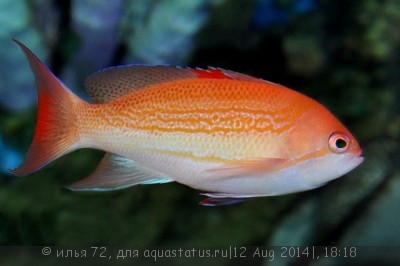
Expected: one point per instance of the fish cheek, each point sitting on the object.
(308, 134)
(301, 142)
(320, 170)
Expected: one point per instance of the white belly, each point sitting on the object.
(196, 174)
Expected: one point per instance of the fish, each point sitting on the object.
(229, 135)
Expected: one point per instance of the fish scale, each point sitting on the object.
(197, 123)
(165, 103)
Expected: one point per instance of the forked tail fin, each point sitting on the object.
(56, 130)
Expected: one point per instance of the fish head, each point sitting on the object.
(323, 148)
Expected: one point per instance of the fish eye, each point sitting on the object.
(338, 142)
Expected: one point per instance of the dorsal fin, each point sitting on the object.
(111, 83)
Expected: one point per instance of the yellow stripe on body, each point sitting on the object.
(215, 120)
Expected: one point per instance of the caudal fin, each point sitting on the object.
(56, 128)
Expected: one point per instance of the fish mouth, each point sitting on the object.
(359, 158)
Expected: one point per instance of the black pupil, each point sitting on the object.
(340, 143)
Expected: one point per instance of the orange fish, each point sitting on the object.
(228, 134)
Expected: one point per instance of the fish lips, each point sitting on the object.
(358, 159)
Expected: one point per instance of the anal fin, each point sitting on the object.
(247, 167)
(116, 172)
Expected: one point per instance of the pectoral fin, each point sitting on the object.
(116, 172)
(247, 167)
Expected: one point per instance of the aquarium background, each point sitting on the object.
(345, 54)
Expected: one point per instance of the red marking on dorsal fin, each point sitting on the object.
(213, 73)
(219, 73)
